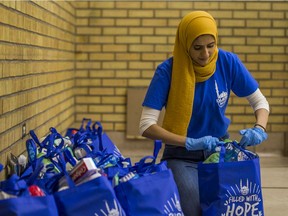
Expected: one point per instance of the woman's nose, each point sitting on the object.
(205, 52)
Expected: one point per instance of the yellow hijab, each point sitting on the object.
(185, 73)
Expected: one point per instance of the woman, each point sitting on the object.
(194, 87)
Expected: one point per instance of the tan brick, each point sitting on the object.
(101, 39)
(101, 73)
(167, 13)
(128, 22)
(101, 91)
(128, 56)
(154, 4)
(114, 48)
(115, 31)
(154, 40)
(113, 100)
(205, 5)
(166, 48)
(128, 39)
(259, 58)
(279, 92)
(101, 108)
(114, 117)
(232, 5)
(128, 74)
(141, 31)
(88, 13)
(272, 49)
(114, 82)
(258, 5)
(272, 32)
(140, 64)
(101, 56)
(101, 22)
(179, 5)
(245, 14)
(120, 109)
(81, 108)
(246, 32)
(140, 48)
(88, 100)
(140, 13)
(153, 56)
(114, 13)
(119, 4)
(243, 118)
(101, 4)
(279, 41)
(114, 65)
(246, 49)
(271, 67)
(258, 41)
(88, 48)
(280, 75)
(138, 82)
(258, 23)
(272, 14)
(87, 65)
(88, 31)
(234, 40)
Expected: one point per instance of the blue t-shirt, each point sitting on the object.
(211, 97)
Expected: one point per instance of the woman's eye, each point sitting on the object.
(210, 45)
(197, 47)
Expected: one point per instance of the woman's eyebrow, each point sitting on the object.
(205, 44)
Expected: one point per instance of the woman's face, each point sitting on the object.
(202, 49)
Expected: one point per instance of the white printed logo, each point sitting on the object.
(173, 207)
(222, 97)
(243, 200)
(114, 211)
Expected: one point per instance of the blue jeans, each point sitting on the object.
(186, 177)
(184, 165)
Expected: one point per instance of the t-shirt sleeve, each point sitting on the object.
(158, 90)
(243, 83)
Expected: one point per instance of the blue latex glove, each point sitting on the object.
(252, 136)
(204, 143)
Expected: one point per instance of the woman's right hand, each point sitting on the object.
(208, 143)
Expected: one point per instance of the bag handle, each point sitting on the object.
(98, 130)
(142, 165)
(223, 150)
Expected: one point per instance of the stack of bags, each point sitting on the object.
(83, 172)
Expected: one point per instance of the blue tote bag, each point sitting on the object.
(231, 188)
(153, 192)
(23, 204)
(95, 197)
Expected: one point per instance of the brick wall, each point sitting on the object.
(119, 44)
(60, 58)
(37, 58)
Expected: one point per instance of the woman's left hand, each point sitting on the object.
(252, 136)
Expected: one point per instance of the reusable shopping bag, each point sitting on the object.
(95, 197)
(91, 140)
(152, 190)
(21, 202)
(231, 188)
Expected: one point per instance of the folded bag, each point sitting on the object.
(154, 192)
(231, 188)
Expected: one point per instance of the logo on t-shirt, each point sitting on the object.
(221, 97)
